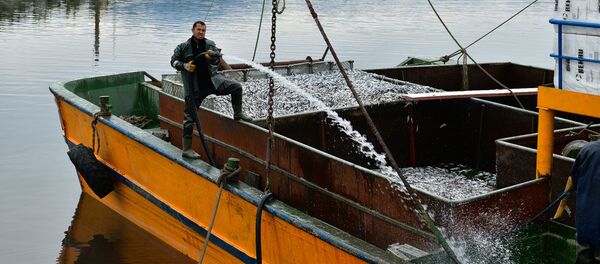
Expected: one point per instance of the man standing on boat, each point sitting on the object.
(586, 181)
(198, 59)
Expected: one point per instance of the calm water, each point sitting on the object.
(46, 41)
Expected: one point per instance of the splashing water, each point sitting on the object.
(366, 147)
(478, 244)
(474, 246)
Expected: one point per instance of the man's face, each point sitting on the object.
(199, 31)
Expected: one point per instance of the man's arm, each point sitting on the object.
(220, 62)
(215, 57)
(175, 58)
(223, 65)
(577, 169)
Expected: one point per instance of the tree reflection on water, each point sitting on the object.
(13, 11)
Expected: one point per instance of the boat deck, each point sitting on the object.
(323, 185)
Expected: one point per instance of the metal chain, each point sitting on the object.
(282, 8)
(270, 122)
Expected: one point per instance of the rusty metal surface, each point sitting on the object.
(516, 164)
(240, 66)
(301, 156)
(445, 131)
(449, 77)
(516, 159)
(333, 174)
(494, 213)
(522, 150)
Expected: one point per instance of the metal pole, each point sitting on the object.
(545, 144)
(560, 54)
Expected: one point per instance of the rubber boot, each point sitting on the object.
(236, 104)
(188, 152)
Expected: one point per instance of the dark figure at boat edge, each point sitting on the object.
(586, 181)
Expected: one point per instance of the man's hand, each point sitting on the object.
(189, 67)
(212, 54)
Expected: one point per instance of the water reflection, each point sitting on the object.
(393, 29)
(14, 11)
(98, 6)
(100, 235)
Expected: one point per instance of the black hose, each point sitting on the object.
(552, 204)
(200, 57)
(259, 209)
(190, 76)
(197, 60)
(199, 127)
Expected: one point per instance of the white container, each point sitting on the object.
(578, 11)
(593, 11)
(585, 81)
(575, 45)
(580, 76)
(572, 10)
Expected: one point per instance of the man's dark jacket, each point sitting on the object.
(183, 52)
(586, 178)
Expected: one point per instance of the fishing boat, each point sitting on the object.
(331, 203)
(465, 174)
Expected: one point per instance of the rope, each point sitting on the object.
(152, 78)
(494, 29)
(95, 134)
(259, 210)
(411, 192)
(208, 11)
(225, 174)
(496, 81)
(586, 128)
(262, 12)
(465, 67)
(465, 53)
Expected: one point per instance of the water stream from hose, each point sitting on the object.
(366, 147)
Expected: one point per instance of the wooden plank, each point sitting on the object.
(469, 94)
